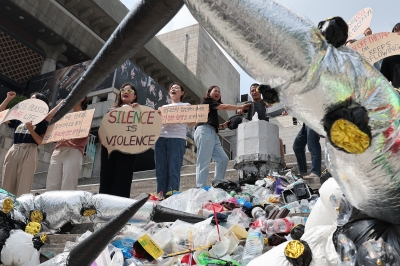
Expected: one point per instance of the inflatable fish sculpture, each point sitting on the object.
(317, 82)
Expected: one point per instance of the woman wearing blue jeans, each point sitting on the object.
(207, 140)
(170, 147)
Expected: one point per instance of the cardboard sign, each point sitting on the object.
(378, 46)
(34, 110)
(184, 114)
(359, 23)
(130, 130)
(72, 126)
(3, 115)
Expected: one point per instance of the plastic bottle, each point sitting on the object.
(304, 206)
(254, 246)
(283, 225)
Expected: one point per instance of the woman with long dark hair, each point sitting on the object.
(66, 160)
(170, 147)
(116, 170)
(207, 140)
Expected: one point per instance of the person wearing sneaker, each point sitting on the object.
(170, 147)
(207, 140)
(309, 137)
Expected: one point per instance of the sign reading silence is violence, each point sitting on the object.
(130, 130)
(29, 110)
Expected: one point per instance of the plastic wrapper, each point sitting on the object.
(218, 195)
(373, 253)
(347, 251)
(239, 217)
(190, 201)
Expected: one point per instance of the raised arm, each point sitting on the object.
(53, 111)
(10, 95)
(230, 107)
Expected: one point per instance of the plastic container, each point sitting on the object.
(254, 246)
(162, 237)
(283, 225)
(304, 206)
(257, 212)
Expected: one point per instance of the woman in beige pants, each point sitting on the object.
(20, 163)
(66, 160)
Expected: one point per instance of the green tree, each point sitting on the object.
(16, 100)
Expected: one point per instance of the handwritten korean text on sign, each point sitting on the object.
(184, 114)
(71, 126)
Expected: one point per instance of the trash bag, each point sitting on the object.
(362, 228)
(373, 253)
(324, 176)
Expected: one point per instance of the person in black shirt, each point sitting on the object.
(206, 138)
(256, 96)
(391, 65)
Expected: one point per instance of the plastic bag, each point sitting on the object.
(189, 201)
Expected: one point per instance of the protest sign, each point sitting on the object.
(359, 23)
(378, 46)
(130, 130)
(34, 110)
(3, 115)
(184, 114)
(72, 126)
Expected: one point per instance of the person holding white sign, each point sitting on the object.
(207, 140)
(66, 160)
(21, 159)
(116, 169)
(170, 147)
(391, 65)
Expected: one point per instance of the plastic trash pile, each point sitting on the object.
(241, 223)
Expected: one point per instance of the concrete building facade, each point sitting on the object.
(62, 33)
(195, 48)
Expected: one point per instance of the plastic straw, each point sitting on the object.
(190, 247)
(216, 223)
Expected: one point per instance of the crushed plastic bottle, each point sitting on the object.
(304, 206)
(254, 246)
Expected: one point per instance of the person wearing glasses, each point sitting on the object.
(116, 170)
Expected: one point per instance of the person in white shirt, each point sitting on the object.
(170, 147)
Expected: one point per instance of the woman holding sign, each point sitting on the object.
(66, 160)
(116, 169)
(170, 147)
(21, 159)
(207, 140)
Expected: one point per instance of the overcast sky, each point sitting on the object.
(385, 16)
